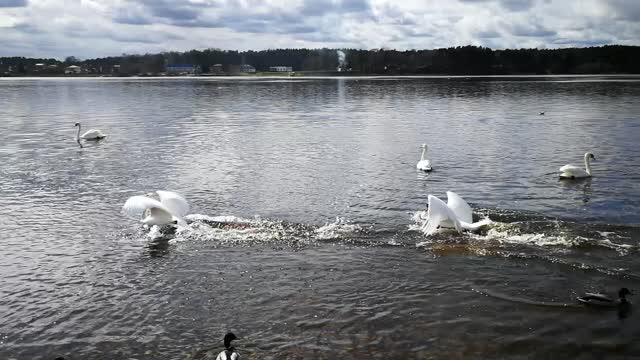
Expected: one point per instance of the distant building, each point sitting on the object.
(4, 69)
(246, 68)
(40, 66)
(183, 69)
(280, 69)
(73, 69)
(216, 69)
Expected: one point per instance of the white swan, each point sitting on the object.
(456, 213)
(424, 164)
(574, 172)
(169, 209)
(92, 134)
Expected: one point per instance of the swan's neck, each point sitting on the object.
(424, 153)
(78, 133)
(587, 163)
(476, 225)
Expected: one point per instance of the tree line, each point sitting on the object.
(462, 60)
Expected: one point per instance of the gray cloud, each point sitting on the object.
(489, 34)
(517, 5)
(28, 28)
(511, 5)
(13, 3)
(322, 7)
(130, 16)
(179, 13)
(531, 30)
(110, 27)
(626, 9)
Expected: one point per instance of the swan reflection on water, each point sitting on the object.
(583, 184)
(159, 247)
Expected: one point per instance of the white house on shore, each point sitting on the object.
(73, 69)
(280, 68)
(182, 69)
(246, 68)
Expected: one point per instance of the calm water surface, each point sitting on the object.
(303, 239)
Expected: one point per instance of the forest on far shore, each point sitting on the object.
(462, 60)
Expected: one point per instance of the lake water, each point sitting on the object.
(302, 238)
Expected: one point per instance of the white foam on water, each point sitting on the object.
(504, 233)
(511, 233)
(234, 230)
(340, 228)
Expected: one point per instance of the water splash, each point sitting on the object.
(238, 231)
(543, 233)
(341, 228)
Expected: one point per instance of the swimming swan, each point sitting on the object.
(424, 164)
(574, 172)
(92, 134)
(169, 209)
(456, 213)
(605, 300)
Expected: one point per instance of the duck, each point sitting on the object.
(424, 164)
(229, 352)
(597, 299)
(574, 172)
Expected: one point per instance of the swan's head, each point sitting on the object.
(423, 146)
(623, 292)
(77, 124)
(590, 156)
(152, 195)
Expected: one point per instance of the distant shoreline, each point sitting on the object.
(317, 75)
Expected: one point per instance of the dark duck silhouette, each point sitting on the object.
(597, 299)
(229, 352)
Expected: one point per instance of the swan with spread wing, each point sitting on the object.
(455, 214)
(169, 208)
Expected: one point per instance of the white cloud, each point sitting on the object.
(90, 28)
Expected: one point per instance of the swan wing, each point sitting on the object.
(136, 206)
(424, 165)
(158, 216)
(568, 168)
(93, 134)
(438, 214)
(459, 207)
(176, 204)
(573, 171)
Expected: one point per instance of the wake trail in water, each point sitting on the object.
(518, 235)
(239, 231)
(515, 229)
(525, 301)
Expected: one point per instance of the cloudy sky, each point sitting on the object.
(92, 28)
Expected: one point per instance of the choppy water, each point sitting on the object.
(302, 239)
